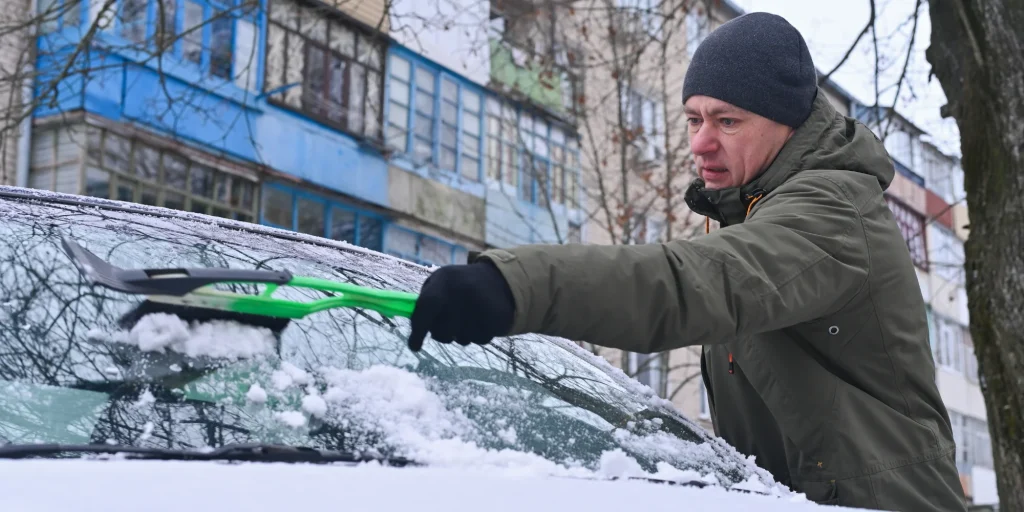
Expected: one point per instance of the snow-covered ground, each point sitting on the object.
(123, 486)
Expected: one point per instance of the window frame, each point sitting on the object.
(418, 68)
(232, 12)
(524, 151)
(329, 206)
(696, 17)
(57, 12)
(94, 158)
(275, 89)
(646, 369)
(946, 247)
(456, 251)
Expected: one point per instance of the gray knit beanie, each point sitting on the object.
(758, 62)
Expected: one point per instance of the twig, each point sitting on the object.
(868, 26)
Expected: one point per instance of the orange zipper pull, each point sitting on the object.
(731, 364)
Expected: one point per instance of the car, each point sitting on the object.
(167, 413)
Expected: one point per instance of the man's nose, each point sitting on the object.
(704, 140)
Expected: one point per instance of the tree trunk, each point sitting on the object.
(977, 53)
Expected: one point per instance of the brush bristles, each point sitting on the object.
(196, 314)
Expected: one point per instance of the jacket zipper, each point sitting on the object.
(753, 198)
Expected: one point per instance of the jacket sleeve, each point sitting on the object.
(799, 256)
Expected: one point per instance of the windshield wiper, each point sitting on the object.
(230, 452)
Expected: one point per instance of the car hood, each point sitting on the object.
(172, 486)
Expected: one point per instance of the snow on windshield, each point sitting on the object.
(340, 379)
(401, 407)
(158, 332)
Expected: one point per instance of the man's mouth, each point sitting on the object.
(714, 171)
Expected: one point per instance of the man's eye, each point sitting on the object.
(727, 121)
(693, 120)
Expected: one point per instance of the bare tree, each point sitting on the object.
(977, 51)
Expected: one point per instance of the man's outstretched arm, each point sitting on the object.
(801, 255)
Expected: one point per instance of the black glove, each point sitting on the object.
(463, 303)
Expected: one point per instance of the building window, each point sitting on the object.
(647, 230)
(133, 20)
(502, 143)
(445, 120)
(698, 27)
(132, 170)
(940, 175)
(208, 33)
(979, 443)
(399, 87)
(912, 228)
(645, 12)
(973, 442)
(324, 68)
(54, 15)
(217, 37)
(650, 17)
(422, 249)
(575, 235)
(899, 144)
(647, 369)
(423, 121)
(538, 157)
(192, 33)
(316, 215)
(952, 346)
(534, 173)
(645, 120)
(947, 254)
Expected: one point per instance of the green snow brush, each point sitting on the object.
(187, 293)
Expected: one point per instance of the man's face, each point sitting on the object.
(731, 145)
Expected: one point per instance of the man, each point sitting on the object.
(815, 340)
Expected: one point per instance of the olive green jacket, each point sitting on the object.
(815, 338)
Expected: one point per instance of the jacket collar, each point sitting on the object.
(729, 205)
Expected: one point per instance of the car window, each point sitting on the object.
(341, 379)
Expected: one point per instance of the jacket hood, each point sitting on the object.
(826, 140)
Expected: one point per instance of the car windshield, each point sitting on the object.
(340, 379)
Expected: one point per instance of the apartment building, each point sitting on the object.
(928, 201)
(307, 116)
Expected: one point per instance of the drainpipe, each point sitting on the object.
(27, 89)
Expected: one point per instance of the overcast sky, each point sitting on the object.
(831, 26)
